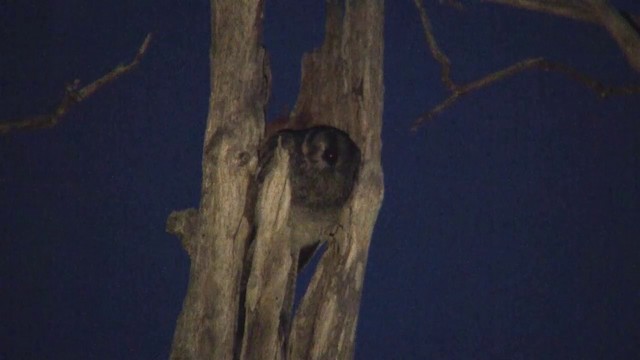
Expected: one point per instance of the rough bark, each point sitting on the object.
(206, 328)
(269, 284)
(341, 86)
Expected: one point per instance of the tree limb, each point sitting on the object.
(457, 90)
(342, 86)
(239, 73)
(74, 94)
(576, 10)
(268, 285)
(599, 12)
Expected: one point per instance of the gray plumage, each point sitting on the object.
(323, 167)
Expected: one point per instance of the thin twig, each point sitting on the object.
(600, 12)
(457, 91)
(439, 55)
(456, 4)
(621, 29)
(576, 10)
(74, 95)
(603, 91)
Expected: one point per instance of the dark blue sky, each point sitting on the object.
(510, 227)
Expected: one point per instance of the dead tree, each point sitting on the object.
(341, 86)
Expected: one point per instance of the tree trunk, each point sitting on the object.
(342, 87)
(206, 327)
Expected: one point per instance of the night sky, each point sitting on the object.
(510, 227)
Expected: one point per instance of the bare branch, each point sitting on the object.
(74, 95)
(603, 91)
(439, 55)
(600, 12)
(456, 4)
(576, 10)
(620, 29)
(457, 91)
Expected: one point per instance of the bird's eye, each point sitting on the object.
(330, 156)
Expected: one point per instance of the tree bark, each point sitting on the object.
(341, 86)
(206, 327)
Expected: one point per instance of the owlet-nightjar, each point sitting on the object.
(323, 167)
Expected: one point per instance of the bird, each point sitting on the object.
(324, 163)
